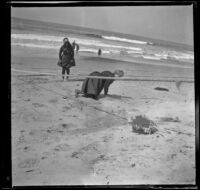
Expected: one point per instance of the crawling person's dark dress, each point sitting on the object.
(92, 87)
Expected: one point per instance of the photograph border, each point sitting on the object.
(6, 168)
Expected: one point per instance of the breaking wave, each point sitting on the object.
(57, 40)
(123, 40)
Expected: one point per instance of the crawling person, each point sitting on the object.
(92, 87)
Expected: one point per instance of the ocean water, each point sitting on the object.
(35, 34)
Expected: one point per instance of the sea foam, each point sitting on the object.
(123, 40)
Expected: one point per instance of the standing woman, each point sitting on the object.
(66, 57)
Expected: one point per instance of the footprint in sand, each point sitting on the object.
(27, 100)
(146, 177)
(65, 108)
(48, 154)
(107, 138)
(183, 151)
(76, 154)
(62, 147)
(187, 146)
(99, 159)
(169, 119)
(25, 149)
(54, 100)
(28, 163)
(65, 126)
(38, 136)
(21, 139)
(38, 105)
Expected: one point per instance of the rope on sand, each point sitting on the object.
(133, 78)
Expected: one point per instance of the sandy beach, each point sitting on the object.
(58, 139)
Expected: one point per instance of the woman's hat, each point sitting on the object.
(65, 39)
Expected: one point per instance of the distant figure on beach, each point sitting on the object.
(92, 87)
(66, 57)
(99, 52)
(75, 46)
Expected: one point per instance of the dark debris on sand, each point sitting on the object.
(142, 125)
(161, 89)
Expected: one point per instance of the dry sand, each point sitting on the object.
(58, 140)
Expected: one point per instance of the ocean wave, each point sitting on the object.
(134, 52)
(35, 45)
(161, 55)
(175, 55)
(151, 57)
(88, 42)
(91, 50)
(180, 55)
(123, 40)
(88, 50)
(37, 37)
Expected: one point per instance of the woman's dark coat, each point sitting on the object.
(66, 55)
(95, 86)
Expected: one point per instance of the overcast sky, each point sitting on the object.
(172, 23)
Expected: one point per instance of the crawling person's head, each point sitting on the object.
(119, 73)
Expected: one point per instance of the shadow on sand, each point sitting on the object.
(114, 96)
